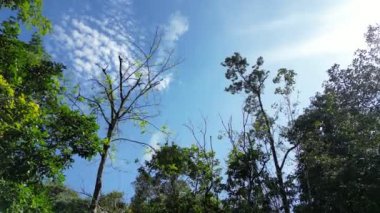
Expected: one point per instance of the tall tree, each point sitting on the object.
(126, 95)
(252, 84)
(339, 136)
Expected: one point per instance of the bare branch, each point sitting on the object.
(137, 142)
(287, 153)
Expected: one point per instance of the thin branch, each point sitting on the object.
(286, 155)
(99, 106)
(135, 141)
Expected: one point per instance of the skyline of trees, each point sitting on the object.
(335, 141)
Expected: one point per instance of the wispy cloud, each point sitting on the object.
(155, 141)
(165, 82)
(175, 28)
(337, 30)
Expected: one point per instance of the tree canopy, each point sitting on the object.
(28, 12)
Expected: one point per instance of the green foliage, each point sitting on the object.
(10, 28)
(177, 180)
(39, 133)
(113, 202)
(16, 197)
(288, 77)
(29, 12)
(247, 180)
(42, 133)
(339, 133)
(66, 200)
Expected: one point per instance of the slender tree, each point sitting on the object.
(252, 83)
(125, 95)
(205, 175)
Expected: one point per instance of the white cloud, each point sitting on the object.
(176, 27)
(155, 141)
(84, 42)
(337, 30)
(81, 41)
(89, 42)
(164, 83)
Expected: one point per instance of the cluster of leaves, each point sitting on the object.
(29, 12)
(16, 197)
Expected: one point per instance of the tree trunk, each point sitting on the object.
(280, 181)
(99, 180)
(99, 175)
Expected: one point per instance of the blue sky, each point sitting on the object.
(307, 36)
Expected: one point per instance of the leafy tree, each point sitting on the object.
(39, 133)
(339, 136)
(248, 184)
(159, 187)
(171, 182)
(205, 177)
(252, 84)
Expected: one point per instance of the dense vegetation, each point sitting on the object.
(335, 141)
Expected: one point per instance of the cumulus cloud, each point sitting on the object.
(155, 141)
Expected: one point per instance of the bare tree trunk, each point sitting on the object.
(99, 175)
(99, 180)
